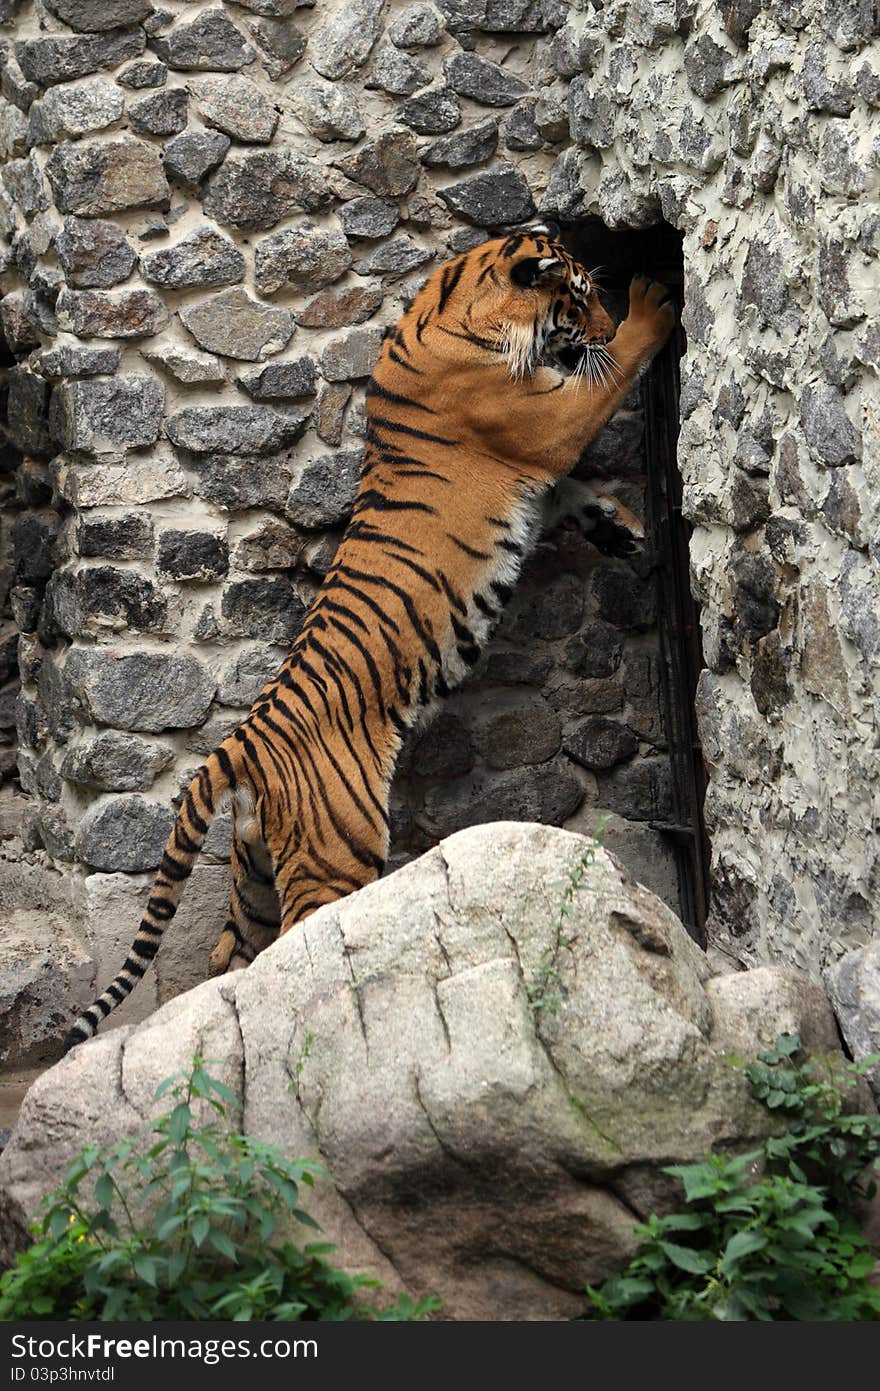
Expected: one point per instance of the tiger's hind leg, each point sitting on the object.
(602, 518)
(327, 868)
(302, 893)
(254, 914)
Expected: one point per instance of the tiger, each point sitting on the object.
(473, 414)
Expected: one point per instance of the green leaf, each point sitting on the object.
(145, 1268)
(59, 1223)
(179, 1122)
(306, 1220)
(165, 1086)
(684, 1222)
(695, 1262)
(170, 1224)
(861, 1265)
(104, 1191)
(222, 1243)
(741, 1244)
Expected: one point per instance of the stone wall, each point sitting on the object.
(211, 211)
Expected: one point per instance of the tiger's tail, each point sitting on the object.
(217, 776)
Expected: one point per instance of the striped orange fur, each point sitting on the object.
(468, 431)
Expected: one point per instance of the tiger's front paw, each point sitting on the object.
(651, 312)
(602, 518)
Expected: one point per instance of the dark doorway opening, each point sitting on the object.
(657, 252)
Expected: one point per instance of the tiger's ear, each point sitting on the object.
(537, 270)
(541, 228)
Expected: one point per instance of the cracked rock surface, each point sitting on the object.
(484, 1146)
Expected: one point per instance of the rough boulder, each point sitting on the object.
(494, 1083)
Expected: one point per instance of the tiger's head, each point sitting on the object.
(531, 298)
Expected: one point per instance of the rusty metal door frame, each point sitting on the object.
(657, 252)
(681, 653)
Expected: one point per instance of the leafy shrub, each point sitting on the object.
(773, 1235)
(211, 1248)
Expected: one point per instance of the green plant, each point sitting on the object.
(773, 1235)
(825, 1142)
(213, 1246)
(545, 990)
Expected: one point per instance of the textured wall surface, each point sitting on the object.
(210, 213)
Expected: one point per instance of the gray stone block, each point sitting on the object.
(125, 537)
(420, 25)
(328, 110)
(123, 833)
(191, 157)
(304, 258)
(339, 308)
(94, 254)
(282, 45)
(147, 73)
(394, 258)
(233, 429)
(435, 112)
(28, 411)
(237, 484)
(257, 189)
(344, 41)
(164, 113)
(24, 182)
(236, 106)
(211, 41)
(280, 381)
(192, 555)
(548, 793)
(273, 546)
(854, 986)
(396, 73)
(114, 762)
(242, 679)
(185, 364)
(111, 313)
(353, 357)
(204, 258)
(498, 197)
(600, 744)
(267, 609)
(368, 218)
(485, 82)
(74, 109)
(144, 691)
(92, 601)
(96, 16)
(234, 325)
(512, 731)
(45, 974)
(829, 431)
(97, 180)
(388, 165)
(324, 491)
(99, 417)
(471, 146)
(60, 58)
